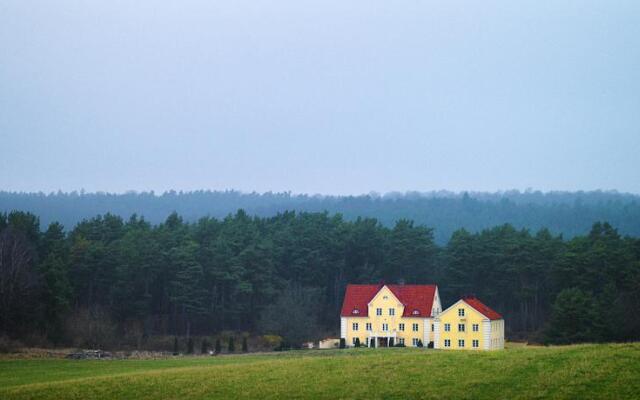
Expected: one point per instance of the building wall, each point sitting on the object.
(471, 317)
(386, 300)
(497, 335)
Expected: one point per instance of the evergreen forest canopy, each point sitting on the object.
(110, 278)
(567, 213)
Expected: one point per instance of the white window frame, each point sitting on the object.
(460, 312)
(464, 328)
(414, 342)
(447, 343)
(447, 327)
(385, 327)
(392, 311)
(475, 343)
(378, 311)
(354, 326)
(401, 327)
(368, 326)
(415, 327)
(461, 343)
(401, 340)
(475, 327)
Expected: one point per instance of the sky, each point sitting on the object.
(330, 97)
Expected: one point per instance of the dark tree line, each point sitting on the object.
(567, 213)
(286, 275)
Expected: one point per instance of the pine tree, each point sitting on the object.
(245, 347)
(232, 347)
(190, 346)
(204, 347)
(175, 346)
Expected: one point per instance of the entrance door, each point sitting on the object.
(382, 342)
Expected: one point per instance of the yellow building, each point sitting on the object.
(469, 325)
(385, 315)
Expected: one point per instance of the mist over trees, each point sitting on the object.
(567, 213)
(109, 278)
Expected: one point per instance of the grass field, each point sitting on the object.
(569, 372)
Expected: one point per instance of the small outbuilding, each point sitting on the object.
(329, 343)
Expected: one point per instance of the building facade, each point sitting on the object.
(469, 325)
(386, 315)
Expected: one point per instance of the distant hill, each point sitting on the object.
(569, 213)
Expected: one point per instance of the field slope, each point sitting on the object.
(569, 372)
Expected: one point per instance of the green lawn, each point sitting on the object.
(571, 372)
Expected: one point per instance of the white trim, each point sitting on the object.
(475, 309)
(454, 305)
(425, 332)
(436, 305)
(486, 334)
(400, 304)
(436, 334)
(343, 328)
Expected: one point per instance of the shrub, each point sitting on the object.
(342, 343)
(271, 341)
(357, 343)
(218, 347)
(8, 345)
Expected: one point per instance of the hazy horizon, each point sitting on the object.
(327, 97)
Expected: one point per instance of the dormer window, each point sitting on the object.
(355, 311)
(415, 312)
(385, 297)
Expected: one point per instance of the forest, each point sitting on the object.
(566, 213)
(108, 279)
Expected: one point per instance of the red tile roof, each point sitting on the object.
(417, 299)
(481, 308)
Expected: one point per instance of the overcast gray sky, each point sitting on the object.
(329, 97)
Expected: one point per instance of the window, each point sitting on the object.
(460, 312)
(378, 311)
(460, 342)
(415, 312)
(385, 327)
(355, 326)
(401, 341)
(415, 327)
(401, 327)
(447, 327)
(476, 344)
(353, 341)
(368, 326)
(476, 327)
(392, 311)
(447, 343)
(433, 327)
(460, 327)
(355, 311)
(385, 297)
(415, 342)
